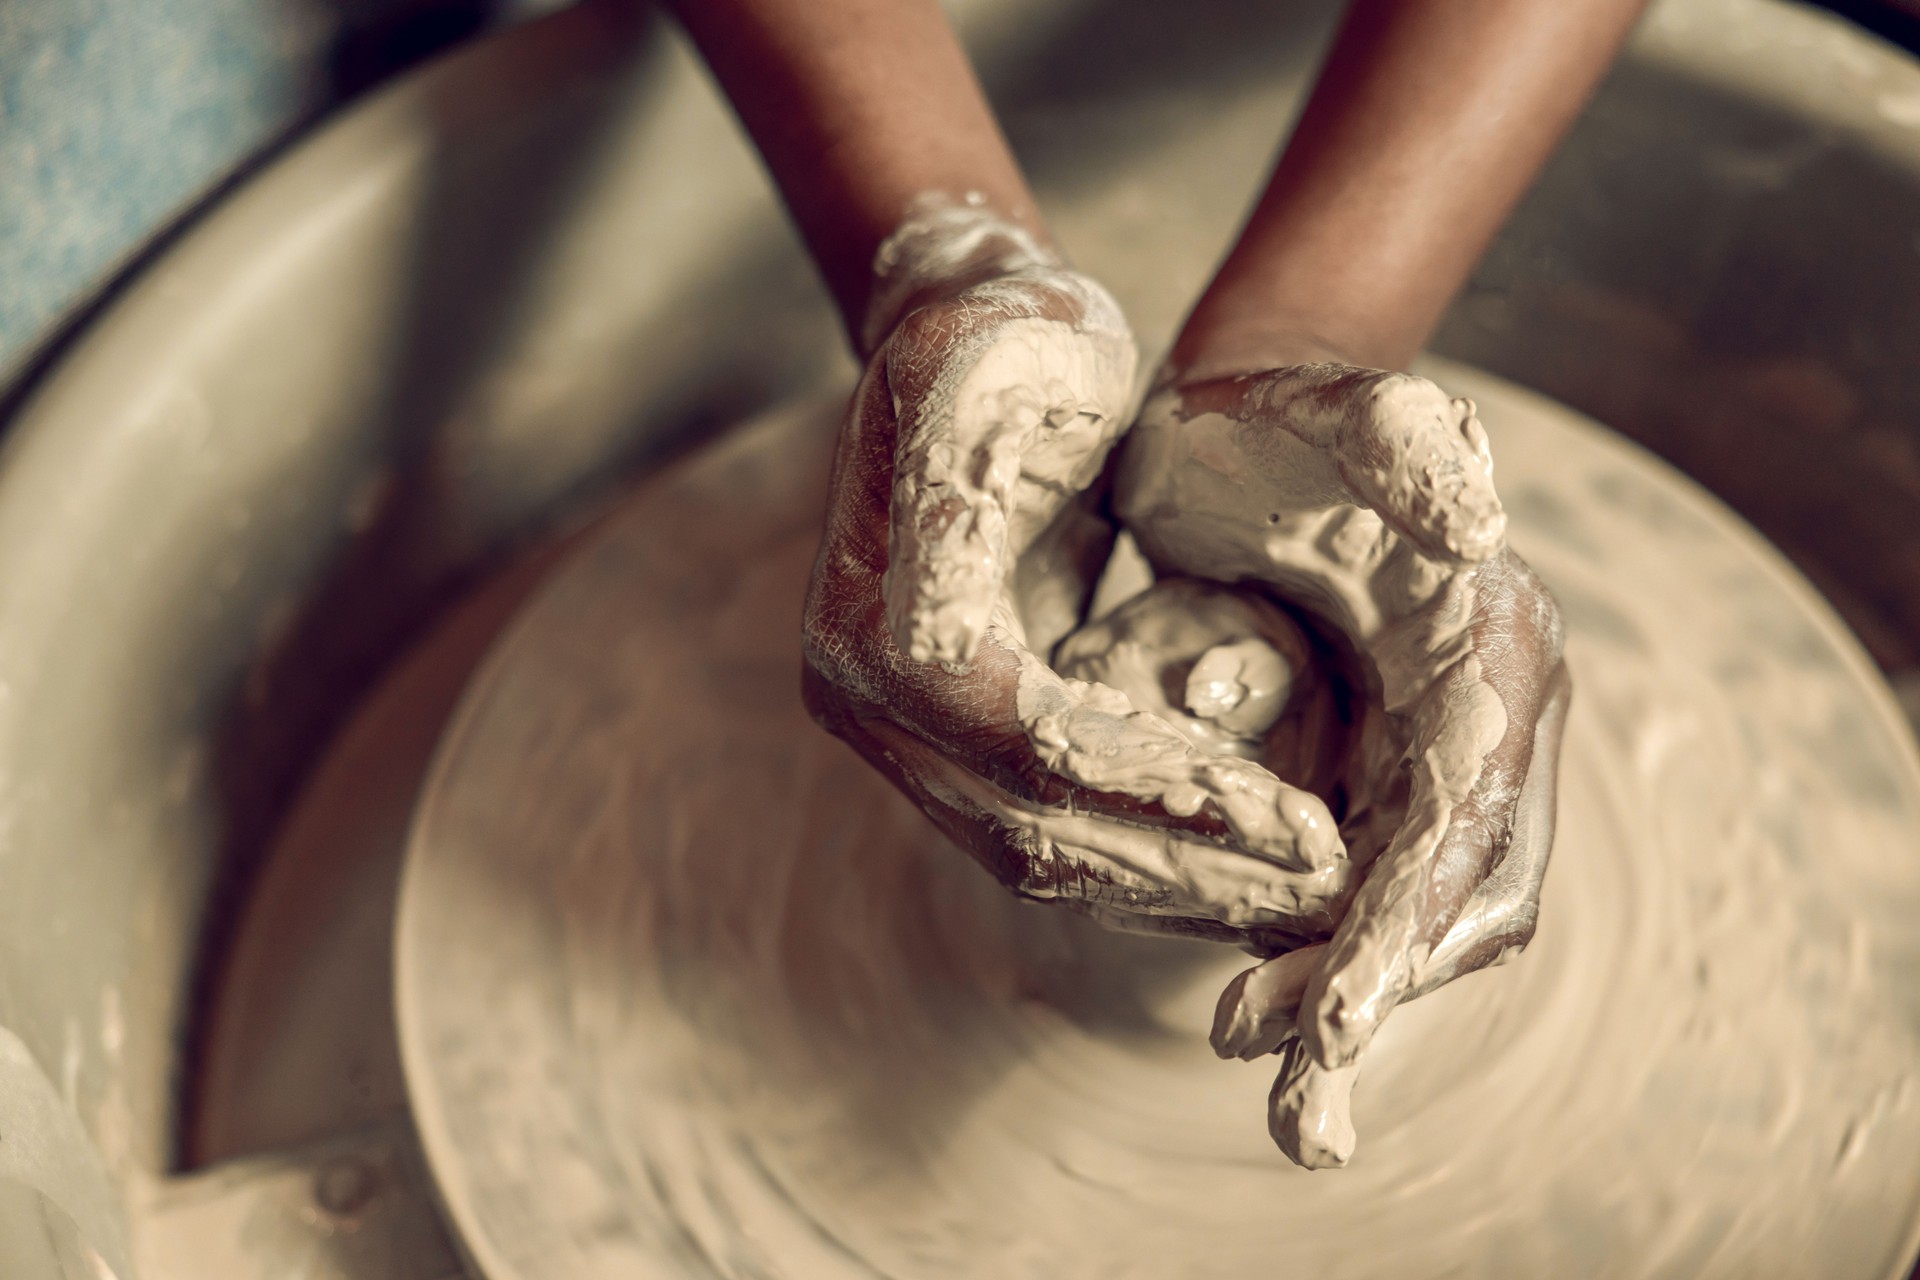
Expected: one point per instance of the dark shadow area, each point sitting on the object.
(1739, 293)
(378, 39)
(1892, 23)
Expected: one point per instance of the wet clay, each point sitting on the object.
(1225, 667)
(687, 990)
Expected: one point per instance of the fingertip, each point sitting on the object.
(1423, 461)
(1309, 1112)
(1318, 836)
(1266, 818)
(1229, 1033)
(1480, 535)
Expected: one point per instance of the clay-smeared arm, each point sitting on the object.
(1428, 123)
(859, 108)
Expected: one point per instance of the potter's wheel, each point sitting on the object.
(686, 990)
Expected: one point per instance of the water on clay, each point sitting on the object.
(686, 990)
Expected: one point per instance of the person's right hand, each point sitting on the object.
(992, 396)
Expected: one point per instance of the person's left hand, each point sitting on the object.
(1366, 498)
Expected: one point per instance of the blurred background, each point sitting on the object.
(120, 118)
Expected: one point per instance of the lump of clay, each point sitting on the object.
(1240, 688)
(1229, 669)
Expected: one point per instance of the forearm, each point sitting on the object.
(1429, 122)
(859, 107)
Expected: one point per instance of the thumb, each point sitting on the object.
(1420, 458)
(999, 424)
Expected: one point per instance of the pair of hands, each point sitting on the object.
(961, 546)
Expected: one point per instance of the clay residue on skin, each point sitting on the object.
(1118, 872)
(1022, 422)
(1016, 418)
(1310, 1112)
(939, 240)
(1372, 963)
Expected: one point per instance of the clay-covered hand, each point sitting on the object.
(957, 544)
(1366, 498)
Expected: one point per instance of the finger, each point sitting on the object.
(1422, 461)
(1310, 1111)
(1069, 854)
(1004, 412)
(1372, 959)
(1161, 871)
(1256, 1014)
(1390, 442)
(1499, 917)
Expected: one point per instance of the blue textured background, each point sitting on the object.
(119, 117)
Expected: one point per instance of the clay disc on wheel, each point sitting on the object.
(685, 990)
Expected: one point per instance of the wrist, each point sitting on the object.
(1228, 336)
(1208, 356)
(946, 245)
